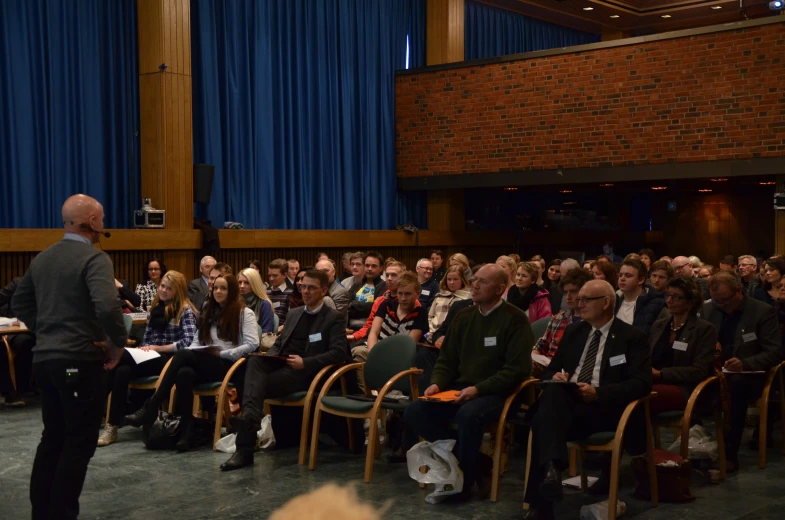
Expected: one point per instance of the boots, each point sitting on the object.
(135, 419)
(186, 440)
(109, 436)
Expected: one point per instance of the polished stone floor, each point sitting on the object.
(125, 481)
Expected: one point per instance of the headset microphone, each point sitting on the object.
(90, 228)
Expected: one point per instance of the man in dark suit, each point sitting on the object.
(313, 337)
(751, 342)
(603, 364)
(198, 289)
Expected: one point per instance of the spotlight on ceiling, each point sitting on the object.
(705, 191)
(659, 188)
(614, 16)
(715, 7)
(776, 5)
(588, 9)
(666, 16)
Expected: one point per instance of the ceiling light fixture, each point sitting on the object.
(588, 9)
(721, 179)
(666, 16)
(565, 191)
(606, 185)
(715, 7)
(770, 183)
(510, 189)
(570, 203)
(659, 188)
(614, 16)
(705, 191)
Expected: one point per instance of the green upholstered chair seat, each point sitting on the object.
(598, 439)
(344, 404)
(145, 380)
(297, 396)
(672, 415)
(206, 387)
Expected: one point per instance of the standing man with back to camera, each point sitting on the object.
(69, 300)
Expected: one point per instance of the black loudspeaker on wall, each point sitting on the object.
(203, 182)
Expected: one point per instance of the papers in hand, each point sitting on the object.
(139, 316)
(140, 356)
(198, 347)
(443, 397)
(12, 322)
(542, 360)
(743, 371)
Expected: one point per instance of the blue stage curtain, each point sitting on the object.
(491, 31)
(69, 109)
(294, 105)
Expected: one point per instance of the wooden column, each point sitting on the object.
(165, 99)
(445, 44)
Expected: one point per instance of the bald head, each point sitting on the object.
(682, 267)
(596, 302)
(326, 266)
(488, 286)
(83, 215)
(599, 288)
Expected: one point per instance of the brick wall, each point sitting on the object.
(698, 98)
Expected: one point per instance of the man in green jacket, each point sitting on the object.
(485, 355)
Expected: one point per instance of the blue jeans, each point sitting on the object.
(431, 421)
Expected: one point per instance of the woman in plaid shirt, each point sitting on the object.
(152, 276)
(170, 327)
(453, 287)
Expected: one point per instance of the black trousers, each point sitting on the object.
(22, 346)
(561, 416)
(71, 409)
(119, 378)
(188, 369)
(426, 360)
(266, 378)
(744, 390)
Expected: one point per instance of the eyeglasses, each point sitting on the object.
(153, 268)
(722, 302)
(748, 265)
(585, 300)
(675, 297)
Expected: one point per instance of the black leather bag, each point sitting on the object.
(164, 432)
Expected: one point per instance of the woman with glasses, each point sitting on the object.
(769, 292)
(152, 276)
(682, 347)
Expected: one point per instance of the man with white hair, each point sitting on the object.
(197, 289)
(748, 269)
(429, 287)
(604, 364)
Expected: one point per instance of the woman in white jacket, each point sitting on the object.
(227, 331)
(453, 287)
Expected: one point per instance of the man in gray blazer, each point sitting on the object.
(751, 342)
(336, 291)
(313, 337)
(71, 352)
(197, 289)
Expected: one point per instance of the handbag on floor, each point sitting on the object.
(164, 432)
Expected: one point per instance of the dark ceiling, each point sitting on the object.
(636, 17)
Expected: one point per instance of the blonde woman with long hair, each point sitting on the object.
(461, 260)
(255, 295)
(170, 327)
(453, 287)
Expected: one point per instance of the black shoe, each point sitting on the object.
(542, 512)
(550, 489)
(484, 475)
(186, 440)
(135, 419)
(237, 461)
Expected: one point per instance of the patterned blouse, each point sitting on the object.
(180, 335)
(548, 344)
(147, 292)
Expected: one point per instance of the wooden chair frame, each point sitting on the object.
(223, 413)
(529, 385)
(372, 414)
(141, 386)
(306, 404)
(763, 406)
(615, 447)
(11, 362)
(682, 426)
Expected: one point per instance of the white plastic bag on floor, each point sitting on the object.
(226, 443)
(700, 445)
(599, 511)
(265, 435)
(435, 463)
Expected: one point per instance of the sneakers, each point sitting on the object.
(109, 436)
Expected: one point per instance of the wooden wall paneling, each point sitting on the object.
(150, 31)
(151, 133)
(444, 31)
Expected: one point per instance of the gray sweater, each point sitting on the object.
(68, 299)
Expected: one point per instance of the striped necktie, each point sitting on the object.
(591, 358)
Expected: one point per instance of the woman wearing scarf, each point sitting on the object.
(227, 331)
(453, 287)
(255, 296)
(527, 295)
(170, 327)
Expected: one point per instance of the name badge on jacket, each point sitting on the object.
(276, 305)
(425, 292)
(490, 342)
(618, 360)
(680, 345)
(315, 337)
(750, 336)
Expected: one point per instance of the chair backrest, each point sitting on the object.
(387, 358)
(129, 321)
(538, 328)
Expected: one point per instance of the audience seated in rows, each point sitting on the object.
(364, 293)
(750, 338)
(551, 283)
(429, 287)
(439, 269)
(357, 270)
(312, 339)
(484, 357)
(255, 297)
(529, 297)
(198, 289)
(22, 346)
(279, 291)
(637, 305)
(400, 315)
(151, 274)
(660, 274)
(769, 291)
(228, 330)
(171, 328)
